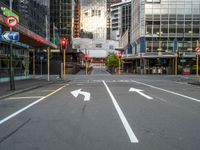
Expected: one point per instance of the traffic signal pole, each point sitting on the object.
(119, 67)
(48, 53)
(197, 62)
(64, 47)
(64, 63)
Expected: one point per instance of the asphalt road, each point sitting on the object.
(103, 112)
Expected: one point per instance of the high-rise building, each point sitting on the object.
(162, 29)
(34, 14)
(61, 17)
(120, 19)
(77, 19)
(33, 31)
(93, 18)
(109, 3)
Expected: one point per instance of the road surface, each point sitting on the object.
(103, 112)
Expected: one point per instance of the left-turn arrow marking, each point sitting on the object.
(85, 94)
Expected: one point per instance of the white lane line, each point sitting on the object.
(127, 127)
(171, 92)
(30, 105)
(30, 97)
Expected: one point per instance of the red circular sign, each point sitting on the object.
(11, 21)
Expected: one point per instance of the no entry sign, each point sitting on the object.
(11, 21)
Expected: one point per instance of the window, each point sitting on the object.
(153, 1)
(99, 45)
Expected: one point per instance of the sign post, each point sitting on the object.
(0, 33)
(11, 69)
(197, 61)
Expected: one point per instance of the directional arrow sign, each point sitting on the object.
(139, 92)
(85, 94)
(11, 36)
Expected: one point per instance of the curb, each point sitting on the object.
(194, 83)
(30, 88)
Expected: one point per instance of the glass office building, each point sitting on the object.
(61, 15)
(161, 28)
(120, 19)
(33, 16)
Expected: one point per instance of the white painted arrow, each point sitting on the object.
(5, 36)
(85, 94)
(139, 92)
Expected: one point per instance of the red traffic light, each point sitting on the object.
(120, 55)
(86, 56)
(64, 43)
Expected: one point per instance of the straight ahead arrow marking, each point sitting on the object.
(139, 92)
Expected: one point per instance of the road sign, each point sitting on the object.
(11, 36)
(11, 21)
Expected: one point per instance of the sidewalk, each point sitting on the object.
(26, 85)
(190, 79)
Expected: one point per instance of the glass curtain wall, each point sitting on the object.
(61, 17)
(172, 21)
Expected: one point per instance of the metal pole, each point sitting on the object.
(86, 67)
(176, 61)
(119, 66)
(33, 64)
(11, 69)
(41, 66)
(197, 62)
(64, 64)
(48, 55)
(197, 68)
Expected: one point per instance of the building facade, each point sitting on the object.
(33, 29)
(120, 19)
(34, 14)
(61, 17)
(161, 31)
(77, 19)
(93, 18)
(108, 23)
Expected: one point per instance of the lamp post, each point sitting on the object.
(11, 71)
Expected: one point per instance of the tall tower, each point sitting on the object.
(61, 16)
(108, 20)
(93, 18)
(77, 18)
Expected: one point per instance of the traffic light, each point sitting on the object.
(86, 56)
(120, 55)
(64, 43)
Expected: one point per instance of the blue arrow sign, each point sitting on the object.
(11, 36)
(0, 33)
